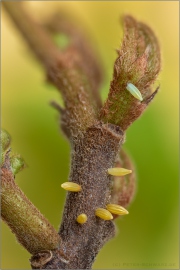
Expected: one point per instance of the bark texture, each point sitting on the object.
(92, 155)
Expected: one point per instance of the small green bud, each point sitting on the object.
(5, 140)
(2, 158)
(17, 164)
(61, 40)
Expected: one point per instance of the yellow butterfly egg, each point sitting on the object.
(82, 218)
(103, 213)
(116, 209)
(118, 171)
(70, 186)
(134, 91)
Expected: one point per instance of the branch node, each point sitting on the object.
(40, 259)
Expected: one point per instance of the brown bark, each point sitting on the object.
(92, 155)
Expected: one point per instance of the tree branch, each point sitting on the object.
(64, 70)
(92, 156)
(95, 140)
(30, 227)
(60, 24)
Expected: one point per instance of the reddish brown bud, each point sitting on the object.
(123, 186)
(138, 64)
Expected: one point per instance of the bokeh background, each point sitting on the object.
(148, 236)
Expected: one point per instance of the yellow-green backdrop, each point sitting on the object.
(148, 236)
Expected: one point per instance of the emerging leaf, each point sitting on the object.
(138, 64)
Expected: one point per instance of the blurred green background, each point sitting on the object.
(148, 236)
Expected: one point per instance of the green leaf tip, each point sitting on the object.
(17, 164)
